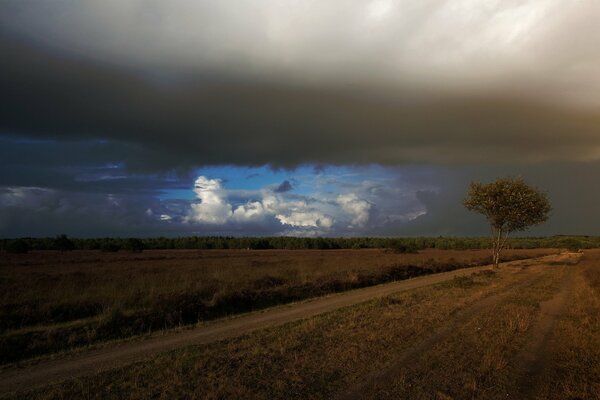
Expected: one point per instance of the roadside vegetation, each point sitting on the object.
(53, 301)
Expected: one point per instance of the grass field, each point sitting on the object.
(54, 301)
(485, 328)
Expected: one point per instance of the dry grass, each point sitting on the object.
(574, 350)
(319, 357)
(51, 301)
(475, 362)
(131, 278)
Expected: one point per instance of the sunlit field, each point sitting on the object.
(52, 301)
(494, 334)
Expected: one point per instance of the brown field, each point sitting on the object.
(52, 301)
(526, 331)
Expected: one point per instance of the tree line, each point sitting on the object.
(401, 245)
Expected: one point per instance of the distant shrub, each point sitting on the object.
(63, 243)
(259, 244)
(570, 244)
(110, 247)
(18, 246)
(405, 244)
(134, 245)
(403, 247)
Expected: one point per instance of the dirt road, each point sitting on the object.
(109, 357)
(528, 364)
(370, 384)
(533, 359)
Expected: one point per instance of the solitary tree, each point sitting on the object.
(509, 205)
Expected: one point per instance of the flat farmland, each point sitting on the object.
(52, 301)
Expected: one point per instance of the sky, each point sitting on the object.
(303, 118)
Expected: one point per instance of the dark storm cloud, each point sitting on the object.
(283, 187)
(213, 119)
(573, 198)
(81, 166)
(30, 211)
(479, 89)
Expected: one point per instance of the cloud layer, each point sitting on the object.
(328, 201)
(109, 108)
(205, 83)
(322, 212)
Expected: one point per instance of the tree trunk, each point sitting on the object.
(497, 246)
(499, 237)
(497, 258)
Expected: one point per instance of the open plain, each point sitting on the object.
(525, 330)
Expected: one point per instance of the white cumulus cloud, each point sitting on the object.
(213, 207)
(251, 211)
(336, 204)
(306, 219)
(358, 209)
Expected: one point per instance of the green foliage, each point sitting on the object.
(110, 247)
(508, 204)
(295, 243)
(134, 245)
(63, 243)
(18, 246)
(571, 244)
(403, 246)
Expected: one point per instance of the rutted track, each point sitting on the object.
(109, 357)
(370, 384)
(528, 364)
(532, 360)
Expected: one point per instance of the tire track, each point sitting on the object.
(533, 359)
(392, 369)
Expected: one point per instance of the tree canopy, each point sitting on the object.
(509, 205)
